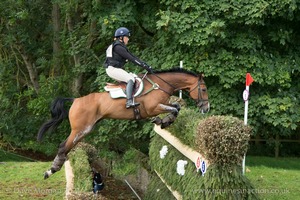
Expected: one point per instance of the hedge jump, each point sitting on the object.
(196, 157)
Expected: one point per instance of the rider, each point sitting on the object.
(117, 55)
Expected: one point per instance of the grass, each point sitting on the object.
(22, 178)
(274, 178)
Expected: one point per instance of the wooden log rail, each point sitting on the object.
(184, 149)
(188, 152)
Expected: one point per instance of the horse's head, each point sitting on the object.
(198, 92)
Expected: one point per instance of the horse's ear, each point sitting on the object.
(201, 75)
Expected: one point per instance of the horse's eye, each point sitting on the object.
(204, 90)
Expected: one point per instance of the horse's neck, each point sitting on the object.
(176, 80)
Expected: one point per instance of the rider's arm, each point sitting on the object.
(127, 55)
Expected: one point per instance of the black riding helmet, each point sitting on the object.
(121, 32)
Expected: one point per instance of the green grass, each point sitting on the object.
(274, 178)
(22, 178)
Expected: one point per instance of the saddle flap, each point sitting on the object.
(113, 86)
(118, 90)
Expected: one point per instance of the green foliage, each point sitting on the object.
(166, 167)
(120, 135)
(223, 140)
(90, 150)
(219, 182)
(11, 157)
(79, 159)
(128, 164)
(186, 123)
(156, 189)
(223, 39)
(226, 40)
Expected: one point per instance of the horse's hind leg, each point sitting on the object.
(83, 115)
(64, 149)
(58, 161)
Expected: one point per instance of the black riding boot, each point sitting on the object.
(129, 90)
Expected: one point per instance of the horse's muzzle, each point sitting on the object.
(203, 106)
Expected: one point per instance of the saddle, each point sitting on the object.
(117, 90)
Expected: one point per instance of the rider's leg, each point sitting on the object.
(121, 75)
(129, 95)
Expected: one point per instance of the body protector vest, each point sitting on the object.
(114, 59)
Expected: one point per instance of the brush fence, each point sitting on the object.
(190, 175)
(189, 162)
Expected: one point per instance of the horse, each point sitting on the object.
(86, 111)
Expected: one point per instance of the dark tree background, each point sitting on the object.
(56, 48)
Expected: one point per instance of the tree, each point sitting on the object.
(226, 39)
(57, 48)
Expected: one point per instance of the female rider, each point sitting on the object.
(117, 55)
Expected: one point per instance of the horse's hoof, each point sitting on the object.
(46, 175)
(156, 120)
(165, 125)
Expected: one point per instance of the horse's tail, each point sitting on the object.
(58, 114)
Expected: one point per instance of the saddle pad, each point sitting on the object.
(118, 92)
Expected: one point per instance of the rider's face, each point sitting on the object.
(125, 40)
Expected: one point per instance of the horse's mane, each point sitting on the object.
(176, 70)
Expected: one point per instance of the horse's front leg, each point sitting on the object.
(173, 110)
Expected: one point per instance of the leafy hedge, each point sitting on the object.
(80, 159)
(185, 126)
(225, 138)
(222, 139)
(166, 167)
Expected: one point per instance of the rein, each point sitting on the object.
(155, 85)
(166, 83)
(200, 98)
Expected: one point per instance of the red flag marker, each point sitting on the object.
(249, 79)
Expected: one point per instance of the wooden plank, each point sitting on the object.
(69, 179)
(184, 149)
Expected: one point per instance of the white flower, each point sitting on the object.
(163, 152)
(180, 167)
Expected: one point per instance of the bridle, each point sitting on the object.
(200, 99)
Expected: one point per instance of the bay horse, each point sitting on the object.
(88, 110)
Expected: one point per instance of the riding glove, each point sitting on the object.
(147, 67)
